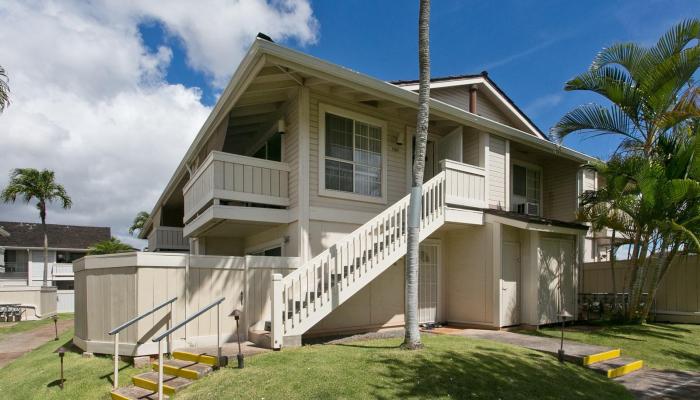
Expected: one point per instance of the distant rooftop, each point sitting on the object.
(25, 234)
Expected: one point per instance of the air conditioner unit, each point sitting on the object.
(529, 209)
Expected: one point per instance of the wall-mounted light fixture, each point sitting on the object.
(281, 127)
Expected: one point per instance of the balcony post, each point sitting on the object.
(277, 330)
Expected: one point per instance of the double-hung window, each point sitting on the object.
(353, 160)
(526, 189)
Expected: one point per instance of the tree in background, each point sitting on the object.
(110, 246)
(412, 334)
(139, 222)
(652, 189)
(32, 184)
(4, 89)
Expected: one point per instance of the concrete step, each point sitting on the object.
(617, 367)
(184, 369)
(171, 384)
(134, 393)
(202, 358)
(600, 357)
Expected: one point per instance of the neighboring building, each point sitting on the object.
(22, 256)
(310, 163)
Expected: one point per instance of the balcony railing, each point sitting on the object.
(235, 178)
(465, 184)
(167, 238)
(62, 270)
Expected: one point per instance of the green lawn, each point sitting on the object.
(674, 346)
(23, 326)
(34, 375)
(449, 367)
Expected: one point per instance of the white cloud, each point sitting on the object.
(543, 103)
(89, 100)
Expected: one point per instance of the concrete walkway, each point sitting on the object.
(573, 350)
(15, 345)
(644, 384)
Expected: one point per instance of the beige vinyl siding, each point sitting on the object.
(497, 172)
(291, 150)
(457, 96)
(469, 288)
(560, 189)
(396, 168)
(487, 108)
(470, 146)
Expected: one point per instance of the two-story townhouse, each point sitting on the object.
(22, 258)
(304, 158)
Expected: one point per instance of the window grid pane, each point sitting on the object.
(361, 145)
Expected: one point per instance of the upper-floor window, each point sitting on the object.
(527, 189)
(68, 256)
(353, 156)
(271, 149)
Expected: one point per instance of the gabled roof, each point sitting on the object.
(262, 51)
(25, 234)
(484, 81)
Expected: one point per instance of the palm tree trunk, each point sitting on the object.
(660, 267)
(612, 267)
(412, 334)
(42, 214)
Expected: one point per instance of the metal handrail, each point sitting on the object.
(187, 320)
(130, 322)
(140, 317)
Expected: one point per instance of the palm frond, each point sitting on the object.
(595, 118)
(4, 89)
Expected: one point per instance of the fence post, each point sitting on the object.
(218, 335)
(277, 308)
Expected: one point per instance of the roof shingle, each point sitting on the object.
(24, 234)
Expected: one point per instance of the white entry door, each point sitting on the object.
(428, 271)
(510, 296)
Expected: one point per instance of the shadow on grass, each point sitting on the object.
(56, 383)
(689, 359)
(491, 374)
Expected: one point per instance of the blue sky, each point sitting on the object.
(530, 48)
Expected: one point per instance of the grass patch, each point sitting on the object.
(672, 346)
(449, 367)
(8, 328)
(35, 375)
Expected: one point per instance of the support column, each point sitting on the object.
(303, 188)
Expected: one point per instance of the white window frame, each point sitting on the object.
(323, 109)
(532, 167)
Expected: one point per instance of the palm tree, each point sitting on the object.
(412, 334)
(29, 184)
(109, 246)
(651, 194)
(644, 86)
(4, 89)
(139, 222)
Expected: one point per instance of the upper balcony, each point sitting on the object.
(234, 181)
(167, 238)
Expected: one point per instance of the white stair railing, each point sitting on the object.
(304, 297)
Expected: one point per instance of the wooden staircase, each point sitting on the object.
(179, 372)
(308, 294)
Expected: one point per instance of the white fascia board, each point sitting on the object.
(445, 83)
